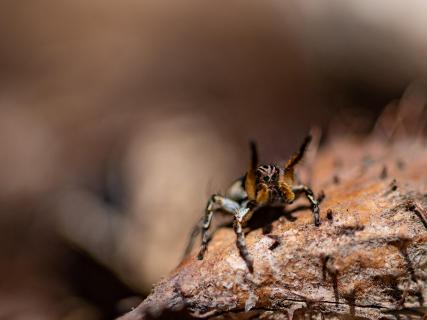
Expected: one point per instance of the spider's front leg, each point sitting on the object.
(215, 203)
(241, 217)
(298, 190)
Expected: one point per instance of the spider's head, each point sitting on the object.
(270, 183)
(267, 180)
(268, 175)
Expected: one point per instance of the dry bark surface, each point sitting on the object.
(367, 260)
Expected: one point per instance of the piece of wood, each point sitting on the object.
(367, 260)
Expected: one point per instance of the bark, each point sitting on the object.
(367, 260)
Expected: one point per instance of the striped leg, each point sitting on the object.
(240, 220)
(205, 236)
(215, 203)
(194, 233)
(313, 201)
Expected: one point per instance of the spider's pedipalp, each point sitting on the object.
(262, 196)
(287, 194)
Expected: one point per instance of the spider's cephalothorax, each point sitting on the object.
(263, 185)
(268, 180)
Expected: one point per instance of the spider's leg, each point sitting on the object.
(288, 176)
(194, 233)
(215, 203)
(241, 216)
(298, 190)
(299, 154)
(250, 178)
(205, 236)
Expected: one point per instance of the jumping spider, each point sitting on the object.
(265, 185)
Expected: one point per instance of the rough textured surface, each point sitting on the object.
(366, 261)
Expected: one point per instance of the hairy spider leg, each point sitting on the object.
(250, 179)
(299, 154)
(241, 217)
(197, 228)
(290, 193)
(194, 233)
(289, 174)
(298, 190)
(236, 192)
(215, 203)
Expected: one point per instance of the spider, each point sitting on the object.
(262, 185)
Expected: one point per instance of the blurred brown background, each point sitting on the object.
(119, 118)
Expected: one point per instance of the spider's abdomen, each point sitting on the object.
(237, 190)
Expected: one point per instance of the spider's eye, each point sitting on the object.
(274, 177)
(266, 178)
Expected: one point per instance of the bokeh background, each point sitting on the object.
(119, 118)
